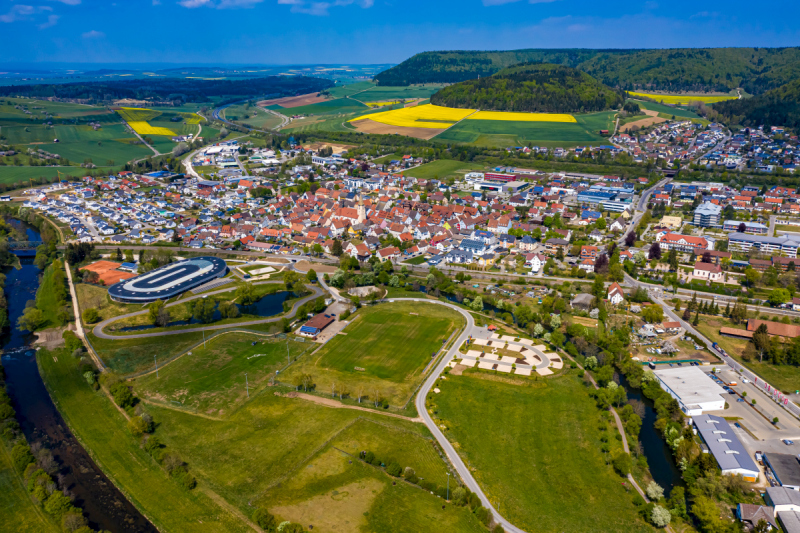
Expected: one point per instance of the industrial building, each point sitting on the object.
(786, 503)
(785, 468)
(612, 199)
(725, 446)
(707, 215)
(695, 392)
(742, 242)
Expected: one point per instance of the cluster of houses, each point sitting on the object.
(671, 141)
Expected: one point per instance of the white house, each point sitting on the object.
(615, 294)
(707, 271)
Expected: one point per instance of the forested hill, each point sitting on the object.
(778, 107)
(532, 88)
(756, 70)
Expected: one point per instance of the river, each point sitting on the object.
(103, 504)
(659, 456)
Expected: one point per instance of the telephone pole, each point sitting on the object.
(246, 385)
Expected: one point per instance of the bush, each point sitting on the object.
(483, 515)
(498, 529)
(21, 456)
(622, 463)
(184, 478)
(73, 521)
(90, 316)
(394, 469)
(58, 504)
(6, 411)
(137, 425)
(654, 491)
(122, 395)
(660, 517)
(265, 520)
(369, 458)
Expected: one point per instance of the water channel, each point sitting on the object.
(103, 504)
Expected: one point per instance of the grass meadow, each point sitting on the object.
(442, 169)
(347, 90)
(392, 343)
(678, 112)
(212, 379)
(103, 431)
(379, 94)
(535, 450)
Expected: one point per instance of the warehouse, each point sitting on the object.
(696, 392)
(168, 281)
(726, 447)
(786, 469)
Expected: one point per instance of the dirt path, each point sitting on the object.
(330, 402)
(219, 500)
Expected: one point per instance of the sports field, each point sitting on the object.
(684, 99)
(391, 343)
(212, 379)
(536, 452)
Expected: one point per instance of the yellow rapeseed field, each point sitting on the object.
(522, 117)
(143, 128)
(678, 99)
(137, 114)
(423, 116)
(382, 104)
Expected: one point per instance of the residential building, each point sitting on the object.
(683, 243)
(784, 246)
(707, 215)
(749, 227)
(707, 271)
(615, 294)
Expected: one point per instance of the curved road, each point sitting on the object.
(98, 329)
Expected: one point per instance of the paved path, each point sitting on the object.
(98, 329)
(330, 402)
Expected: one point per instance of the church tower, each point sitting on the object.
(361, 210)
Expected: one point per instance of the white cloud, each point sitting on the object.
(94, 34)
(498, 2)
(68, 2)
(52, 20)
(156, 2)
(320, 9)
(22, 12)
(191, 4)
(228, 4)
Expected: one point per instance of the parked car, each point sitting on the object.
(788, 442)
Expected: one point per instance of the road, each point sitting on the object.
(640, 208)
(762, 385)
(98, 329)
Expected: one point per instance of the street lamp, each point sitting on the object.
(156, 362)
(448, 486)
(246, 385)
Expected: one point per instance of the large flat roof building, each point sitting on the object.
(742, 242)
(692, 388)
(786, 469)
(168, 281)
(725, 446)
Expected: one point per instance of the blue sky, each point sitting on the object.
(370, 31)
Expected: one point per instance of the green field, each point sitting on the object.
(668, 110)
(379, 94)
(262, 119)
(10, 174)
(508, 133)
(126, 356)
(785, 377)
(443, 169)
(212, 379)
(535, 451)
(392, 343)
(346, 90)
(102, 430)
(329, 107)
(19, 513)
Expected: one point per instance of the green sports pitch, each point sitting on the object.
(384, 349)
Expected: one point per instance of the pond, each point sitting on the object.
(269, 305)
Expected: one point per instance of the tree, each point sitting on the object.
(245, 294)
(228, 310)
(622, 463)
(752, 276)
(477, 304)
(761, 338)
(153, 310)
(90, 316)
(118, 255)
(336, 248)
(696, 319)
(706, 257)
(265, 520)
(654, 491)
(31, 320)
(655, 251)
(660, 516)
(742, 227)
(778, 297)
(673, 259)
(630, 238)
(601, 264)
(311, 275)
(590, 363)
(653, 314)
(203, 310)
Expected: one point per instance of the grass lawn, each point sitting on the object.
(9, 174)
(97, 297)
(19, 513)
(328, 107)
(212, 379)
(392, 343)
(347, 90)
(102, 430)
(678, 112)
(126, 356)
(442, 169)
(785, 377)
(416, 260)
(535, 451)
(380, 94)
